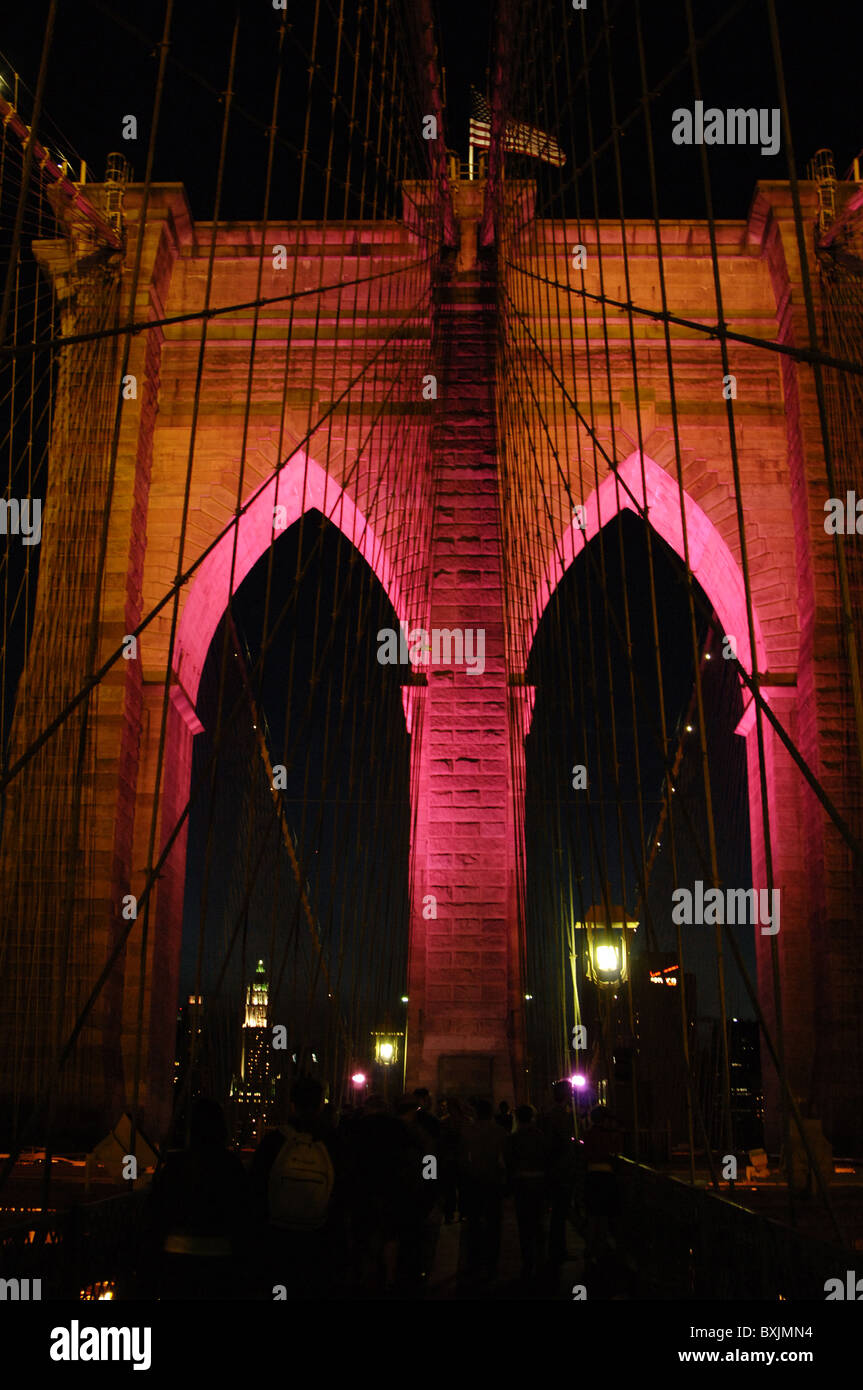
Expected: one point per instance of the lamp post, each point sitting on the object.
(386, 1054)
(606, 960)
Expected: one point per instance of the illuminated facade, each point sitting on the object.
(666, 454)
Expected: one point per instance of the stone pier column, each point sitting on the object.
(68, 861)
(465, 1012)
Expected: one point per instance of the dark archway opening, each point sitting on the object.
(584, 844)
(327, 915)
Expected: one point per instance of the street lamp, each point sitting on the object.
(386, 1047)
(607, 962)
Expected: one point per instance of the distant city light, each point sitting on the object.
(404, 998)
(689, 728)
(528, 996)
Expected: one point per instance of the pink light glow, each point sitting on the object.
(577, 1081)
(359, 1078)
(712, 563)
(301, 486)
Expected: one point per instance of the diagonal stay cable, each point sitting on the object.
(151, 878)
(718, 331)
(128, 927)
(279, 808)
(106, 666)
(841, 824)
(201, 315)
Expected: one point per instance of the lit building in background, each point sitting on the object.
(658, 985)
(190, 1048)
(747, 1102)
(745, 1084)
(253, 1091)
(190, 1062)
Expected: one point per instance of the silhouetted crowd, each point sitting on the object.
(350, 1204)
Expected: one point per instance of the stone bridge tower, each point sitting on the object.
(466, 1008)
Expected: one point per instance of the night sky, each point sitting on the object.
(104, 65)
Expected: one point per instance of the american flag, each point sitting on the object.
(518, 138)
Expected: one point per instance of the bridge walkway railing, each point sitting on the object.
(684, 1242)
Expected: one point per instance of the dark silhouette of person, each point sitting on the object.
(451, 1126)
(504, 1117)
(425, 1116)
(432, 1189)
(482, 1169)
(601, 1143)
(417, 1193)
(527, 1151)
(298, 1258)
(384, 1172)
(198, 1214)
(559, 1128)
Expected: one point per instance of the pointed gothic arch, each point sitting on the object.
(712, 562)
(300, 486)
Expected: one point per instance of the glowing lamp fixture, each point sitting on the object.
(359, 1078)
(607, 958)
(607, 955)
(578, 1082)
(386, 1048)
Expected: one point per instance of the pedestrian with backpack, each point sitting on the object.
(293, 1178)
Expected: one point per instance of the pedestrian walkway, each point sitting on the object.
(448, 1276)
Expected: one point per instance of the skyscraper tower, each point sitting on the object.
(253, 1090)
